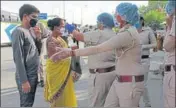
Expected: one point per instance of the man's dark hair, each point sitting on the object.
(27, 9)
(142, 20)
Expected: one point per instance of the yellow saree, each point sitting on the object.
(59, 87)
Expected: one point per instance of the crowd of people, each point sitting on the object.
(118, 60)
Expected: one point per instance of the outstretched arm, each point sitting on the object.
(53, 50)
(121, 40)
(116, 42)
(78, 36)
(84, 37)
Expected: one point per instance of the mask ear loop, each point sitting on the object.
(62, 30)
(123, 51)
(34, 18)
(101, 23)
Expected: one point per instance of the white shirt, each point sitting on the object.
(172, 31)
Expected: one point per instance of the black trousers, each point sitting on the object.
(27, 99)
(75, 64)
(77, 42)
(65, 38)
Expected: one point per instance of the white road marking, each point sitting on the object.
(10, 93)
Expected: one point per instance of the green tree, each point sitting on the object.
(153, 5)
(143, 9)
(154, 13)
(154, 18)
(157, 3)
(44, 22)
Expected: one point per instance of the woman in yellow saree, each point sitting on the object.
(59, 87)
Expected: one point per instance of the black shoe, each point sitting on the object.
(42, 83)
(147, 105)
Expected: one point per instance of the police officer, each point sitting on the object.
(101, 66)
(75, 61)
(148, 40)
(43, 34)
(41, 71)
(169, 46)
(128, 86)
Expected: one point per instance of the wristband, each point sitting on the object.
(72, 53)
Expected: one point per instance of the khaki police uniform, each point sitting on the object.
(43, 57)
(169, 76)
(148, 41)
(128, 85)
(104, 63)
(44, 35)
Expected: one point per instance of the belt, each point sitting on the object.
(129, 78)
(145, 56)
(92, 71)
(102, 70)
(168, 68)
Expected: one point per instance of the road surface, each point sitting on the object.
(10, 96)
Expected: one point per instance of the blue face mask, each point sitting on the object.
(138, 25)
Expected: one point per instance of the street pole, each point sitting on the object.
(73, 16)
(85, 6)
(81, 16)
(64, 9)
(60, 10)
(52, 10)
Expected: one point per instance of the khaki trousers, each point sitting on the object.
(99, 86)
(40, 72)
(169, 89)
(146, 66)
(124, 94)
(44, 73)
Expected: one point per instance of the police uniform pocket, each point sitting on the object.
(137, 90)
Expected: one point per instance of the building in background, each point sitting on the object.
(9, 16)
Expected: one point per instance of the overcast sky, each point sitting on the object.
(90, 9)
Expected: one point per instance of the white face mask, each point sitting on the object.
(117, 24)
(62, 30)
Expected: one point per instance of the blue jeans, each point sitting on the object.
(27, 99)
